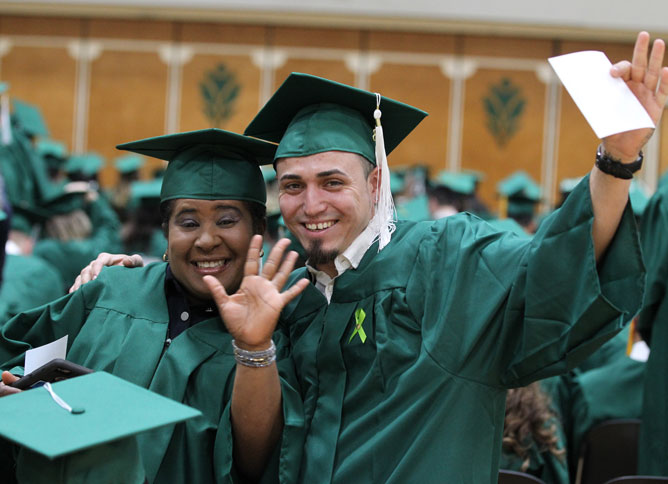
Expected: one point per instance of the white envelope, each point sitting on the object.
(607, 103)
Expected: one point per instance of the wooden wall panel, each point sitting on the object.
(615, 51)
(506, 47)
(222, 33)
(245, 106)
(331, 69)
(411, 42)
(427, 88)
(663, 156)
(577, 142)
(127, 102)
(302, 37)
(44, 77)
(57, 26)
(130, 29)
(522, 151)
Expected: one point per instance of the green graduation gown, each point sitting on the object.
(118, 323)
(653, 320)
(28, 282)
(70, 257)
(456, 312)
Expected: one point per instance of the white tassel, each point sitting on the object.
(385, 217)
(5, 123)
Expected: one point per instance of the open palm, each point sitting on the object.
(251, 313)
(648, 80)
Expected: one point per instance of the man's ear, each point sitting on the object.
(373, 181)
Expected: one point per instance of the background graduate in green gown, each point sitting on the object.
(406, 341)
(653, 326)
(157, 326)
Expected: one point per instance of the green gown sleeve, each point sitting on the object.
(42, 325)
(523, 311)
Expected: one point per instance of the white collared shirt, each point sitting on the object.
(350, 258)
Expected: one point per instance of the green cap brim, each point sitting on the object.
(463, 183)
(113, 409)
(29, 118)
(520, 185)
(87, 164)
(209, 164)
(128, 163)
(302, 116)
(49, 147)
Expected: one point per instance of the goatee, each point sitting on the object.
(317, 256)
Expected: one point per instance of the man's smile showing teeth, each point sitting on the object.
(320, 225)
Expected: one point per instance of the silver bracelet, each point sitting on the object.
(255, 359)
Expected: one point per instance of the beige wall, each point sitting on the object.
(133, 91)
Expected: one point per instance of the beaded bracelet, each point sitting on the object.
(255, 359)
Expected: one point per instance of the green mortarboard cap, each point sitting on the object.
(519, 185)
(478, 176)
(129, 163)
(88, 164)
(397, 183)
(112, 409)
(416, 209)
(209, 164)
(269, 174)
(638, 196)
(4, 87)
(309, 114)
(29, 118)
(463, 183)
(49, 147)
(508, 225)
(567, 185)
(140, 190)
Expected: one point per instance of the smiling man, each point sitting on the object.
(410, 333)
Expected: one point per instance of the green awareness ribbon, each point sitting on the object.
(359, 320)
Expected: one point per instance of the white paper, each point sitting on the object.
(606, 102)
(41, 355)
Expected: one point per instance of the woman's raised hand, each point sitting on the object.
(252, 312)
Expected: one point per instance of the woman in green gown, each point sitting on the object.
(157, 326)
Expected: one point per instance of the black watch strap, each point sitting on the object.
(616, 168)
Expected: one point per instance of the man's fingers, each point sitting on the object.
(217, 290)
(639, 61)
(273, 262)
(662, 91)
(622, 70)
(252, 266)
(655, 62)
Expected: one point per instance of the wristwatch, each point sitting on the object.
(616, 168)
